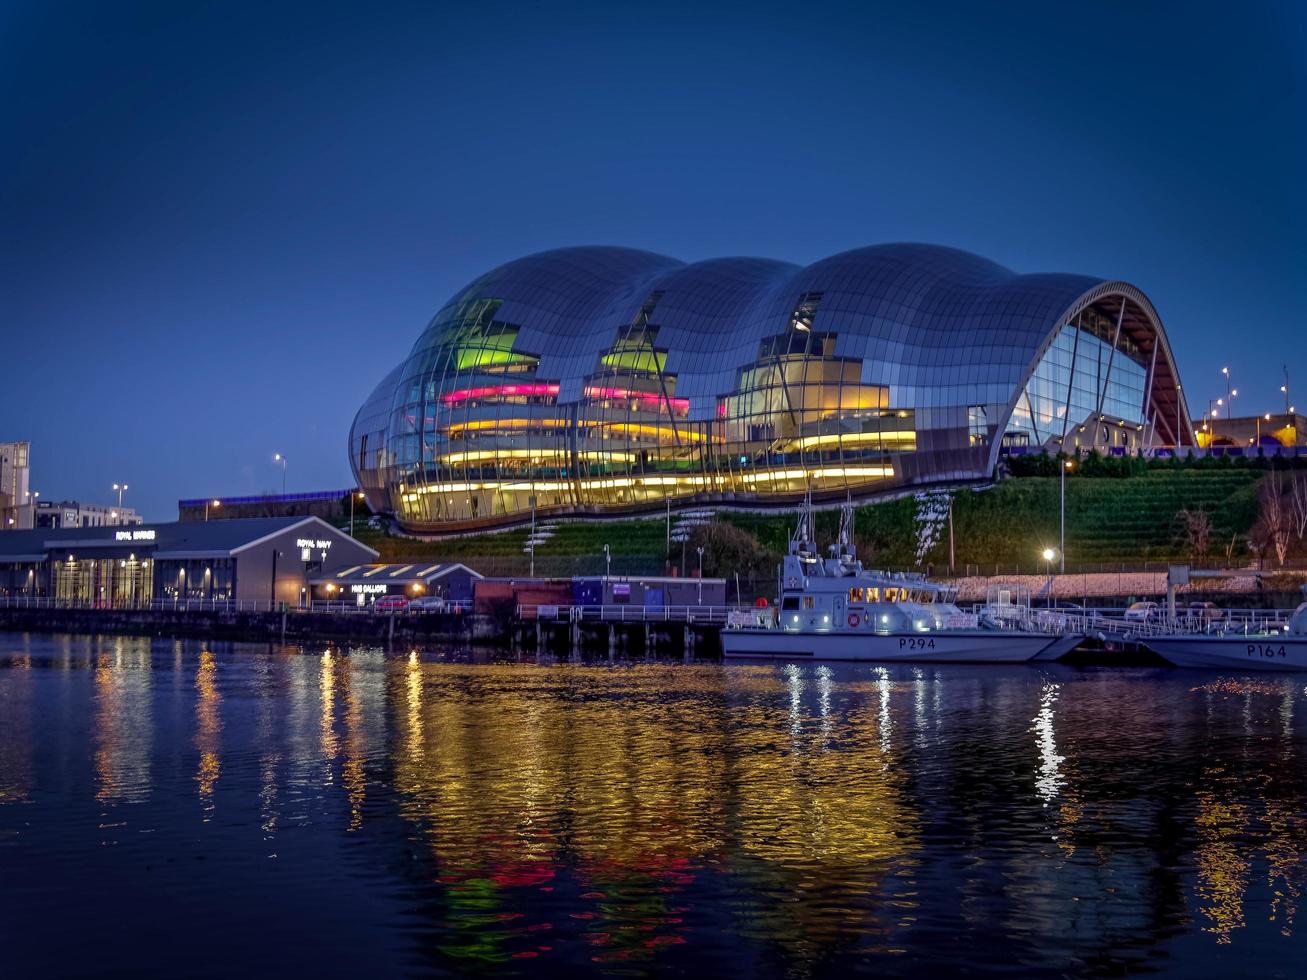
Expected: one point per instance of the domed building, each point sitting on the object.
(603, 380)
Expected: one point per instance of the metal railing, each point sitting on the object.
(621, 613)
(321, 606)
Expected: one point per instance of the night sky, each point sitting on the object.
(220, 224)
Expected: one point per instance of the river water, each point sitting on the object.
(175, 807)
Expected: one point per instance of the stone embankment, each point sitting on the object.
(275, 626)
(1123, 585)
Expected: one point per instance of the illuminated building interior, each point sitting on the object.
(607, 379)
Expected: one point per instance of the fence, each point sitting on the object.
(618, 613)
(335, 607)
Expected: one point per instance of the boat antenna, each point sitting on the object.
(802, 540)
(845, 538)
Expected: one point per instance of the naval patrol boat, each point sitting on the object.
(833, 608)
(1237, 645)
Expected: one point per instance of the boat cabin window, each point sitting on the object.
(873, 594)
(790, 602)
(857, 594)
(807, 602)
(891, 595)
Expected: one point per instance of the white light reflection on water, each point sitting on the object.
(1049, 779)
(884, 725)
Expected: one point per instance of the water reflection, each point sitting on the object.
(799, 819)
(208, 726)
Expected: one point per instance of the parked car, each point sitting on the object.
(1141, 612)
(391, 603)
(428, 603)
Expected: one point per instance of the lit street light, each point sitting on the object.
(700, 551)
(352, 495)
(279, 458)
(1048, 554)
(208, 504)
(608, 562)
(121, 488)
(1067, 465)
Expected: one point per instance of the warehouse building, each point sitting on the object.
(261, 560)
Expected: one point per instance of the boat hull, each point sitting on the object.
(963, 647)
(1242, 652)
(1060, 647)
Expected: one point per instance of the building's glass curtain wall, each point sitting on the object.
(604, 379)
(1084, 393)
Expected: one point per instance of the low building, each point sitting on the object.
(1268, 431)
(73, 513)
(330, 505)
(365, 584)
(258, 561)
(649, 592)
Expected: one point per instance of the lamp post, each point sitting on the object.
(700, 551)
(532, 502)
(1067, 464)
(608, 562)
(279, 458)
(207, 505)
(352, 495)
(120, 488)
(1229, 394)
(1048, 555)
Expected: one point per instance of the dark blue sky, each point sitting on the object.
(221, 224)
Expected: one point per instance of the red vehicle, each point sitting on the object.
(391, 603)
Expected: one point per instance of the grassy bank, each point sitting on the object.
(1131, 519)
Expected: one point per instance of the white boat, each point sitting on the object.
(835, 609)
(1229, 647)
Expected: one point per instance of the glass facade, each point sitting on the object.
(604, 379)
(1087, 391)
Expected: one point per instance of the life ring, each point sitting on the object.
(854, 619)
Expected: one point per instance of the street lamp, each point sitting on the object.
(1048, 554)
(208, 504)
(608, 562)
(279, 458)
(353, 494)
(1229, 393)
(121, 488)
(700, 551)
(1067, 465)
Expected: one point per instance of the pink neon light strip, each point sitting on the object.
(499, 391)
(645, 396)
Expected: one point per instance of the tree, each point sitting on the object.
(728, 550)
(1274, 526)
(1195, 531)
(1298, 504)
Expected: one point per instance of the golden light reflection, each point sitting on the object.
(123, 724)
(329, 743)
(640, 780)
(208, 729)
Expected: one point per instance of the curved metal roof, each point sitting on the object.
(920, 315)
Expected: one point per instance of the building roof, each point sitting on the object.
(199, 537)
(425, 572)
(266, 498)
